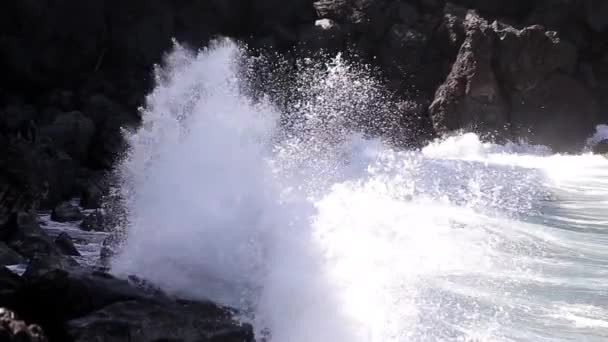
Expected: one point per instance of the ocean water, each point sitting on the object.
(320, 233)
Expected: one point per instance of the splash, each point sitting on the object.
(318, 232)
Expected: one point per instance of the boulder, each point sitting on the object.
(143, 321)
(100, 307)
(33, 243)
(9, 256)
(66, 212)
(66, 245)
(471, 97)
(526, 58)
(66, 294)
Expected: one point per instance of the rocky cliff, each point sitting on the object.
(75, 72)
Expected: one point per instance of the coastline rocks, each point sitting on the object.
(66, 212)
(515, 83)
(471, 98)
(9, 256)
(143, 321)
(65, 244)
(85, 305)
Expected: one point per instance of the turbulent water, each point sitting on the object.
(319, 234)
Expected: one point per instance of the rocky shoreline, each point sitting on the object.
(51, 273)
(75, 73)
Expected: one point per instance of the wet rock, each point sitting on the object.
(142, 321)
(515, 82)
(66, 212)
(13, 329)
(601, 147)
(93, 222)
(66, 245)
(9, 256)
(471, 97)
(526, 58)
(67, 294)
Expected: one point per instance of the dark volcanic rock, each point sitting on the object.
(9, 256)
(65, 244)
(471, 97)
(142, 321)
(66, 212)
(514, 82)
(100, 307)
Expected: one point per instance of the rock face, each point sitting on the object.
(65, 244)
(471, 96)
(75, 72)
(142, 321)
(516, 83)
(80, 304)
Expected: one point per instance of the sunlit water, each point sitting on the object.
(319, 234)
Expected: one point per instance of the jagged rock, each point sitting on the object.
(526, 58)
(67, 294)
(12, 329)
(142, 321)
(9, 256)
(514, 82)
(30, 241)
(471, 97)
(601, 147)
(66, 212)
(100, 307)
(66, 245)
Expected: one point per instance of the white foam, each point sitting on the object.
(322, 235)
